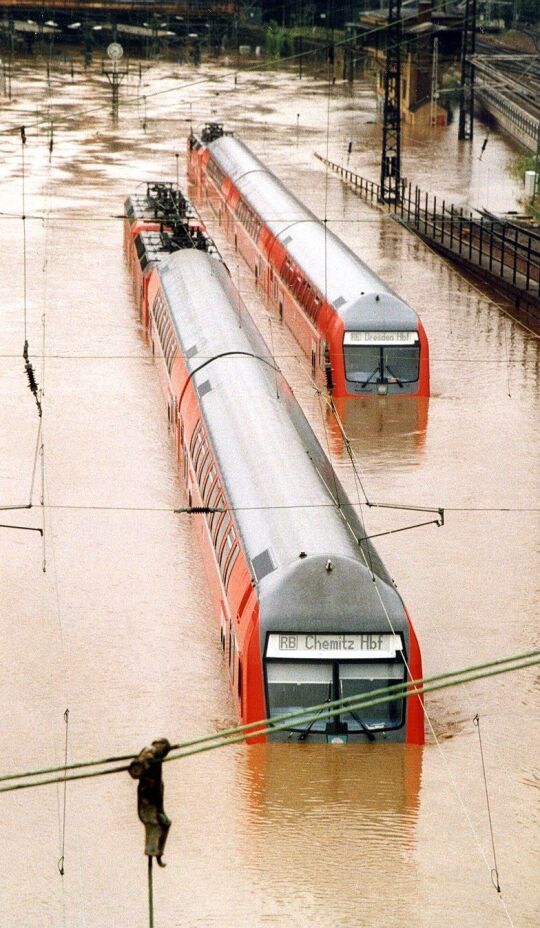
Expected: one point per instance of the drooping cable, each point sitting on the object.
(495, 870)
(61, 861)
(381, 696)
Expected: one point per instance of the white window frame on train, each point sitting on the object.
(377, 719)
(220, 525)
(378, 343)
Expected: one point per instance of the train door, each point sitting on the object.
(223, 630)
(313, 357)
(185, 456)
(281, 307)
(232, 651)
(179, 436)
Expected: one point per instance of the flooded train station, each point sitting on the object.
(109, 628)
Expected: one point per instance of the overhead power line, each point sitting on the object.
(282, 722)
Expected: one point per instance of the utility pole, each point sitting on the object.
(468, 47)
(536, 189)
(391, 141)
(434, 82)
(114, 75)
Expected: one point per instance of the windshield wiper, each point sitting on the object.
(365, 383)
(303, 734)
(395, 376)
(363, 726)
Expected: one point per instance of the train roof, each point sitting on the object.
(277, 478)
(358, 295)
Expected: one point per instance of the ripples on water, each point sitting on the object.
(119, 628)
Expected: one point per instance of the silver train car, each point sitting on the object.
(307, 612)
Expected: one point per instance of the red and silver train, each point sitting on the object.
(307, 611)
(356, 331)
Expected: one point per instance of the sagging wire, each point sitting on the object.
(495, 871)
(337, 496)
(371, 504)
(276, 368)
(238, 733)
(63, 840)
(29, 370)
(23, 217)
(216, 357)
(369, 565)
(32, 383)
(484, 144)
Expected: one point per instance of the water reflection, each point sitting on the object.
(341, 824)
(393, 428)
(275, 835)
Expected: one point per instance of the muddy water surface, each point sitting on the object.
(119, 628)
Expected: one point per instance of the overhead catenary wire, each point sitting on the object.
(495, 871)
(409, 688)
(366, 554)
(269, 726)
(89, 507)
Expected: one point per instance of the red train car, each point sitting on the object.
(356, 332)
(306, 610)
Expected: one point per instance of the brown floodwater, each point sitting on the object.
(119, 628)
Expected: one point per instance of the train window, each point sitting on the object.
(232, 651)
(157, 310)
(200, 451)
(195, 437)
(362, 363)
(172, 356)
(227, 546)
(365, 363)
(214, 495)
(288, 272)
(216, 516)
(204, 463)
(294, 685)
(309, 302)
(207, 482)
(220, 529)
(401, 362)
(230, 564)
(168, 342)
(360, 680)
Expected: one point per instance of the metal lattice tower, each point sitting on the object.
(468, 48)
(391, 142)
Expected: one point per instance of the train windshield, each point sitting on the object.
(292, 686)
(297, 685)
(361, 680)
(381, 357)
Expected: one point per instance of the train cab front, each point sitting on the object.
(316, 669)
(335, 634)
(385, 350)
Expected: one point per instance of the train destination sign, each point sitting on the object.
(380, 338)
(343, 646)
